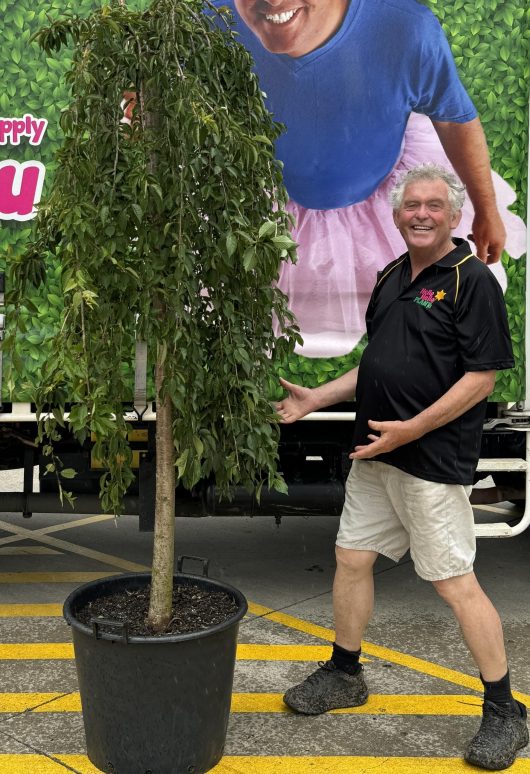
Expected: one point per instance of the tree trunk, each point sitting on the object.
(164, 535)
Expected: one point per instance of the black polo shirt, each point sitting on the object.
(422, 338)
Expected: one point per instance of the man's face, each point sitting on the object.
(425, 218)
(293, 27)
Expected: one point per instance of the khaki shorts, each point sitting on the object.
(389, 511)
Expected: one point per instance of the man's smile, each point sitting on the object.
(283, 17)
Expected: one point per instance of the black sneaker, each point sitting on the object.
(502, 732)
(327, 688)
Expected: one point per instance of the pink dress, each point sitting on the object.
(340, 251)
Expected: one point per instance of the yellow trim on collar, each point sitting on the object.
(389, 271)
(471, 255)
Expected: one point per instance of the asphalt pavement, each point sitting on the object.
(425, 698)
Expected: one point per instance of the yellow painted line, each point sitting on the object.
(53, 577)
(53, 702)
(243, 764)
(64, 545)
(30, 611)
(272, 703)
(283, 652)
(29, 551)
(40, 764)
(345, 764)
(49, 651)
(79, 763)
(84, 522)
(386, 654)
(58, 527)
(377, 704)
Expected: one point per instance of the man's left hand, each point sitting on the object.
(391, 435)
(489, 236)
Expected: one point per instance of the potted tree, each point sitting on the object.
(168, 231)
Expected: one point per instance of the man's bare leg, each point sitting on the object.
(353, 595)
(479, 621)
(503, 730)
(330, 687)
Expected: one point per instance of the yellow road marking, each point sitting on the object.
(386, 654)
(53, 577)
(40, 764)
(243, 764)
(84, 522)
(345, 764)
(30, 611)
(64, 545)
(57, 528)
(378, 704)
(29, 551)
(51, 651)
(21, 702)
(78, 762)
(283, 652)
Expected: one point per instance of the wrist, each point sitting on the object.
(485, 206)
(318, 395)
(414, 427)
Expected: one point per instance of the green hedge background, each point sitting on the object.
(490, 42)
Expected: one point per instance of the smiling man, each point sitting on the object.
(437, 333)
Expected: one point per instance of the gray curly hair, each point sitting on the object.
(456, 193)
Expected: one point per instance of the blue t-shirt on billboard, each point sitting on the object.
(346, 104)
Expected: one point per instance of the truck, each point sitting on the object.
(488, 49)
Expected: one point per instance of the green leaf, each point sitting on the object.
(231, 244)
(266, 229)
(249, 258)
(138, 212)
(283, 241)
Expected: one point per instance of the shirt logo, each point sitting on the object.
(428, 297)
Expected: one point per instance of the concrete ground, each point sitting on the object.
(424, 704)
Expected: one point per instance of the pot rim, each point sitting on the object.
(70, 605)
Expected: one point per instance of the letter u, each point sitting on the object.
(20, 189)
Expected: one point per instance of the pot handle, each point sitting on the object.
(205, 563)
(122, 636)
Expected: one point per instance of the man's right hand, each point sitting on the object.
(299, 402)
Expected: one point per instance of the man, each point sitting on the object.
(437, 332)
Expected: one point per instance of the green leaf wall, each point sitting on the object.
(490, 42)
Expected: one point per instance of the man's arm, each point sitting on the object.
(466, 148)
(473, 387)
(302, 400)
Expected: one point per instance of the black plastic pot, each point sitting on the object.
(153, 705)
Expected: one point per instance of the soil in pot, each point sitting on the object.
(194, 608)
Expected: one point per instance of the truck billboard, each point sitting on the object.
(365, 89)
(358, 110)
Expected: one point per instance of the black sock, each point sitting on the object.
(499, 692)
(347, 660)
